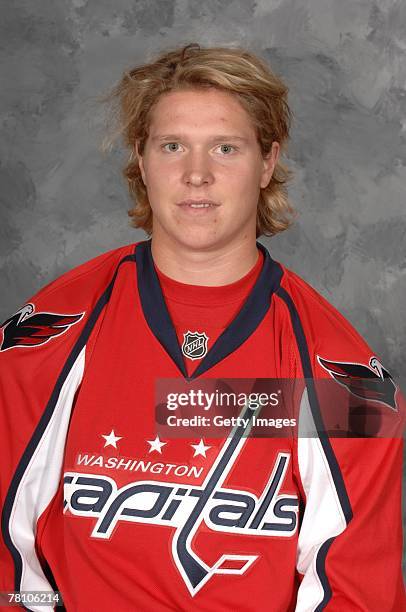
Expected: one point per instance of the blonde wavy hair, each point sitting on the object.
(235, 70)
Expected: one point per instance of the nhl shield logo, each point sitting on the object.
(194, 345)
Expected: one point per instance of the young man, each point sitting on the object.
(96, 502)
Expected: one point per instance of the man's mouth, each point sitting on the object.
(198, 203)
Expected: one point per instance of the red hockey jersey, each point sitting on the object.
(101, 507)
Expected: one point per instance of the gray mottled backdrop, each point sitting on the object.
(63, 202)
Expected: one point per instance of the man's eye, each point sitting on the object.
(172, 147)
(226, 148)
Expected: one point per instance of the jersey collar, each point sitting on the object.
(241, 327)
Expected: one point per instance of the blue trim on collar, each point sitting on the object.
(243, 325)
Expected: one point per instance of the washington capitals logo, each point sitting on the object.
(186, 507)
(26, 329)
(194, 345)
(368, 382)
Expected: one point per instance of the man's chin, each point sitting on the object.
(197, 239)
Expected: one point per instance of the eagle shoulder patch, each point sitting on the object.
(27, 328)
(371, 382)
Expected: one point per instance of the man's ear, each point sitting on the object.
(140, 162)
(269, 163)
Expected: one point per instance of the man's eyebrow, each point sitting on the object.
(218, 137)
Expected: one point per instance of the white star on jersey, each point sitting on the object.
(200, 449)
(111, 439)
(156, 445)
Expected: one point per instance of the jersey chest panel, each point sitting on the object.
(207, 528)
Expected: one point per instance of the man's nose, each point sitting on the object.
(198, 169)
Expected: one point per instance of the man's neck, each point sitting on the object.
(211, 268)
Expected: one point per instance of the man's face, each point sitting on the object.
(203, 170)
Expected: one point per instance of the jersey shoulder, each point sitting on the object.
(326, 329)
(334, 348)
(61, 306)
(91, 274)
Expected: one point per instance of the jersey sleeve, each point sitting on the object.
(44, 348)
(350, 540)
(348, 465)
